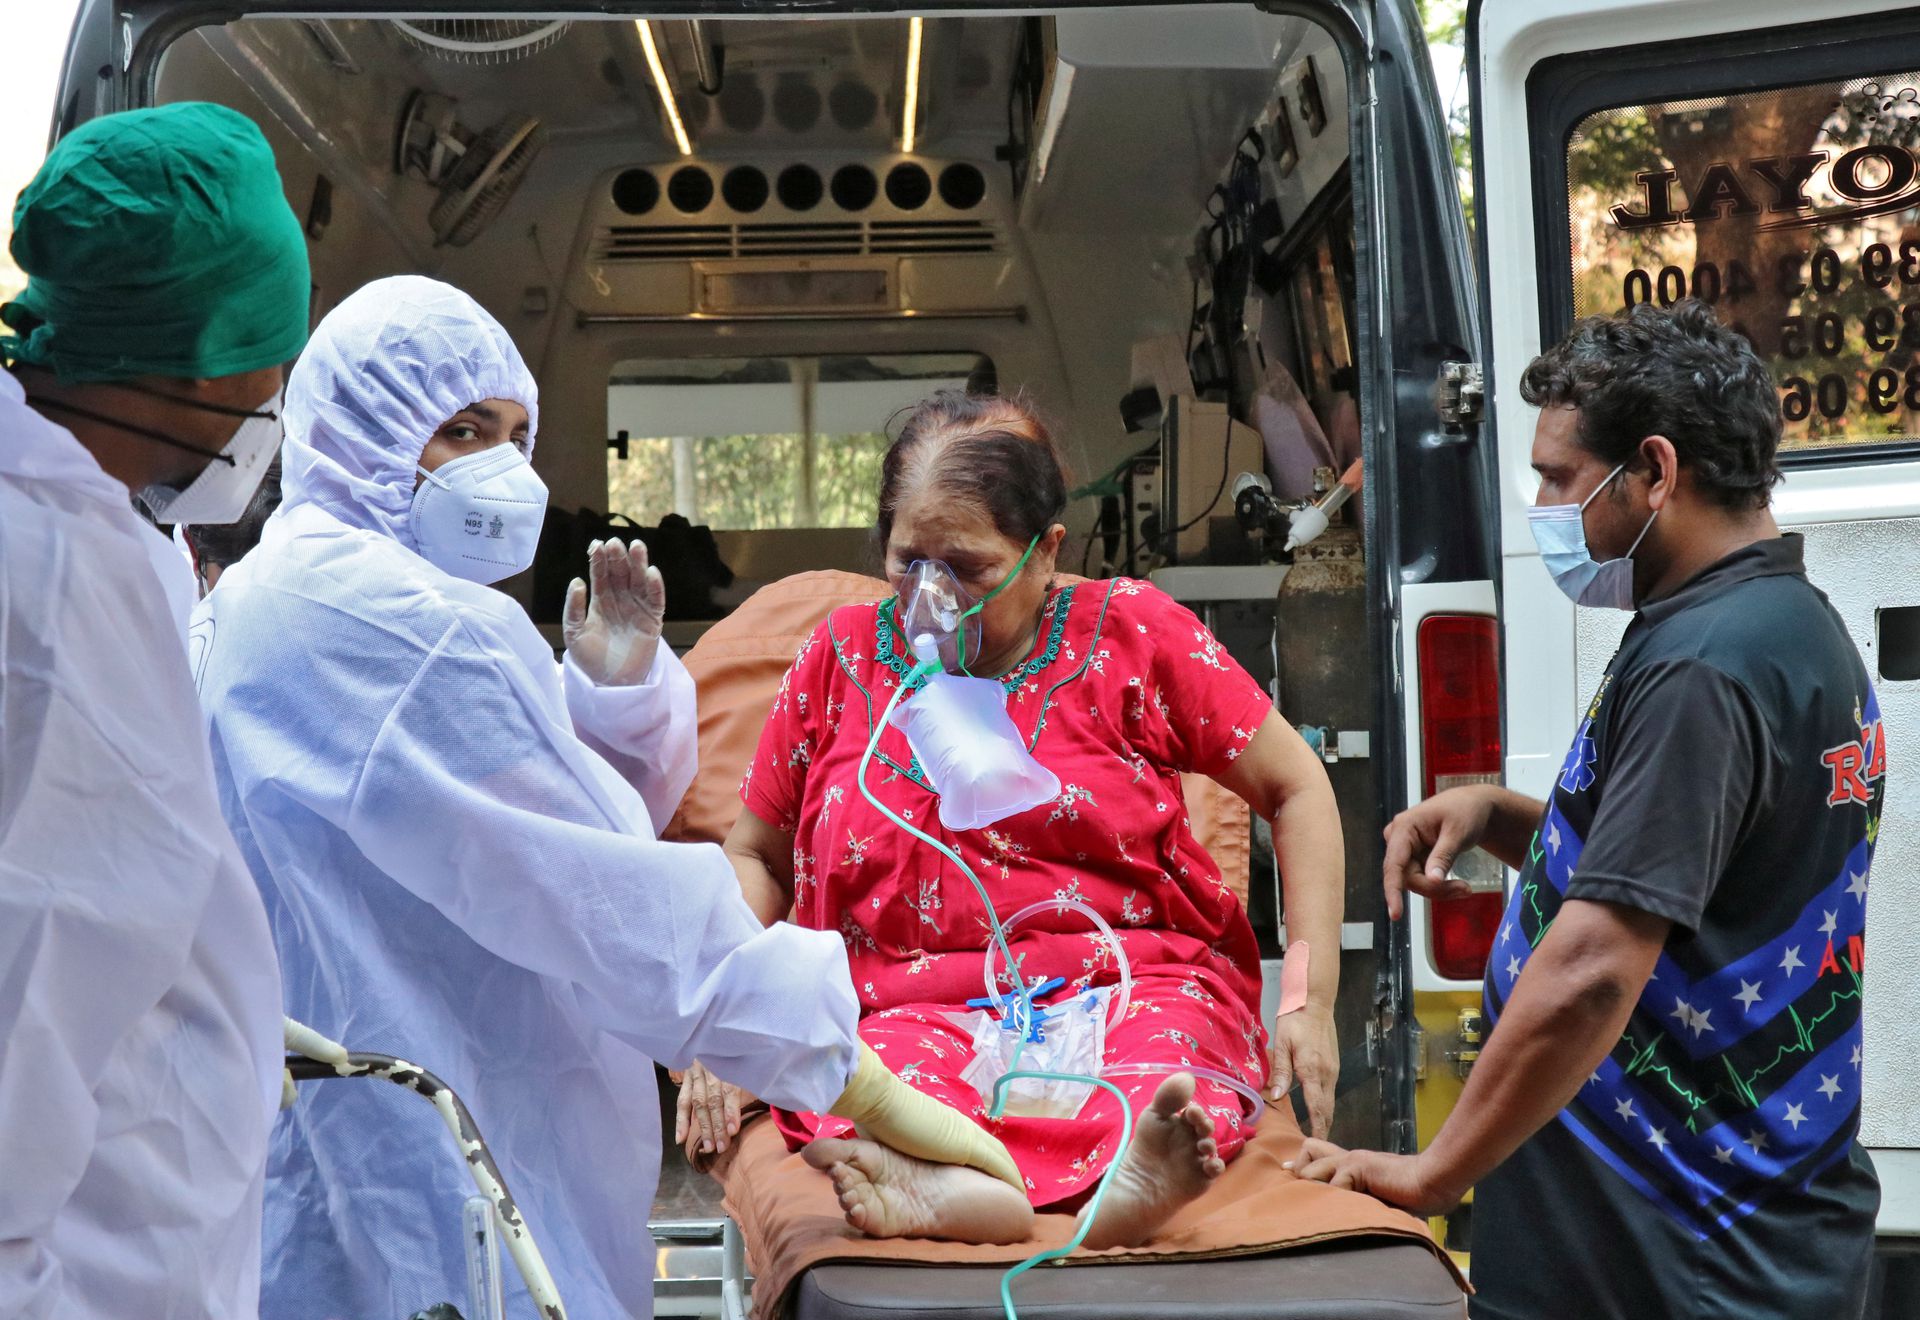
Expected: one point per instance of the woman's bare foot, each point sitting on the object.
(887, 1194)
(1171, 1161)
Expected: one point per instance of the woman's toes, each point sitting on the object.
(826, 1152)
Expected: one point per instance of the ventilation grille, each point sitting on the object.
(850, 238)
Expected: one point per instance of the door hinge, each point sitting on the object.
(1463, 393)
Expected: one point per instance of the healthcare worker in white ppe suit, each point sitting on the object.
(456, 841)
(140, 1032)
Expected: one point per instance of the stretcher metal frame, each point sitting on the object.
(339, 1062)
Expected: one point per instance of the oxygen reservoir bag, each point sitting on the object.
(969, 749)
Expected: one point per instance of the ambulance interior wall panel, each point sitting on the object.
(1114, 270)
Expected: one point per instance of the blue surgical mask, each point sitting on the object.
(1560, 530)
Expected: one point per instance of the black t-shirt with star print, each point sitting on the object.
(1728, 776)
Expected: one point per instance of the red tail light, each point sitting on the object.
(1460, 744)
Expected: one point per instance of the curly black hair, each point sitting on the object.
(1674, 372)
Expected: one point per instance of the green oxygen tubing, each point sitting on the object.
(1018, 1005)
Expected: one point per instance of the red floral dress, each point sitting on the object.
(1124, 691)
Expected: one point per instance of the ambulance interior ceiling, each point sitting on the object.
(1044, 216)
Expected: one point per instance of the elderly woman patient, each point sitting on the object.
(1117, 690)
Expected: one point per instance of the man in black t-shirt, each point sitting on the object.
(1663, 1122)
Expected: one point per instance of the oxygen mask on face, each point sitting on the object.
(936, 611)
(957, 724)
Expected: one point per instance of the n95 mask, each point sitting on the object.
(225, 487)
(478, 517)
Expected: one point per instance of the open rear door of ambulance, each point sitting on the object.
(1764, 156)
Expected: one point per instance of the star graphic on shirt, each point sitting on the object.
(1682, 1012)
(1831, 923)
(1749, 993)
(1593, 1078)
(1857, 885)
(1856, 1056)
(1513, 968)
(1506, 931)
(1553, 835)
(1757, 1139)
(1796, 1116)
(1625, 1110)
(1791, 960)
(1830, 1086)
(1658, 1137)
(1700, 1021)
(1723, 1154)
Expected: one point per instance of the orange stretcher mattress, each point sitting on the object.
(791, 1222)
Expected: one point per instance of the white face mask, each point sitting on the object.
(479, 516)
(223, 490)
(1560, 530)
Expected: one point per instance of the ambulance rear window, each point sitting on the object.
(1796, 212)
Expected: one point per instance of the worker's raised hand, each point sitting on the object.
(1402, 1180)
(709, 1109)
(1307, 1050)
(614, 635)
(1423, 843)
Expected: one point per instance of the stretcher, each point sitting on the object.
(1261, 1245)
(313, 1057)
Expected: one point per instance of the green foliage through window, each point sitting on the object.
(751, 444)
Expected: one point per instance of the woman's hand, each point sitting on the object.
(708, 1108)
(1401, 1180)
(1306, 1049)
(614, 635)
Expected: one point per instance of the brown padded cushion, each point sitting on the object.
(1348, 1280)
(790, 1222)
(737, 666)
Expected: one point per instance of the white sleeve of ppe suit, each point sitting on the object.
(473, 799)
(77, 978)
(648, 731)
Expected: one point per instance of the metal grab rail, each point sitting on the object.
(316, 1058)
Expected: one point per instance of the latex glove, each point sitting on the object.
(1307, 1050)
(709, 1107)
(304, 1040)
(614, 638)
(885, 1109)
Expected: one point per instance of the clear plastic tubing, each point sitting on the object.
(1118, 1012)
(1255, 1105)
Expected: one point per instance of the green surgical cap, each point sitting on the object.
(158, 242)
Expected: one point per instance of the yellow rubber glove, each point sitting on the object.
(885, 1109)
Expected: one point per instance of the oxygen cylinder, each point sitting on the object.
(1327, 683)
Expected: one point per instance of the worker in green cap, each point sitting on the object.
(140, 1017)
